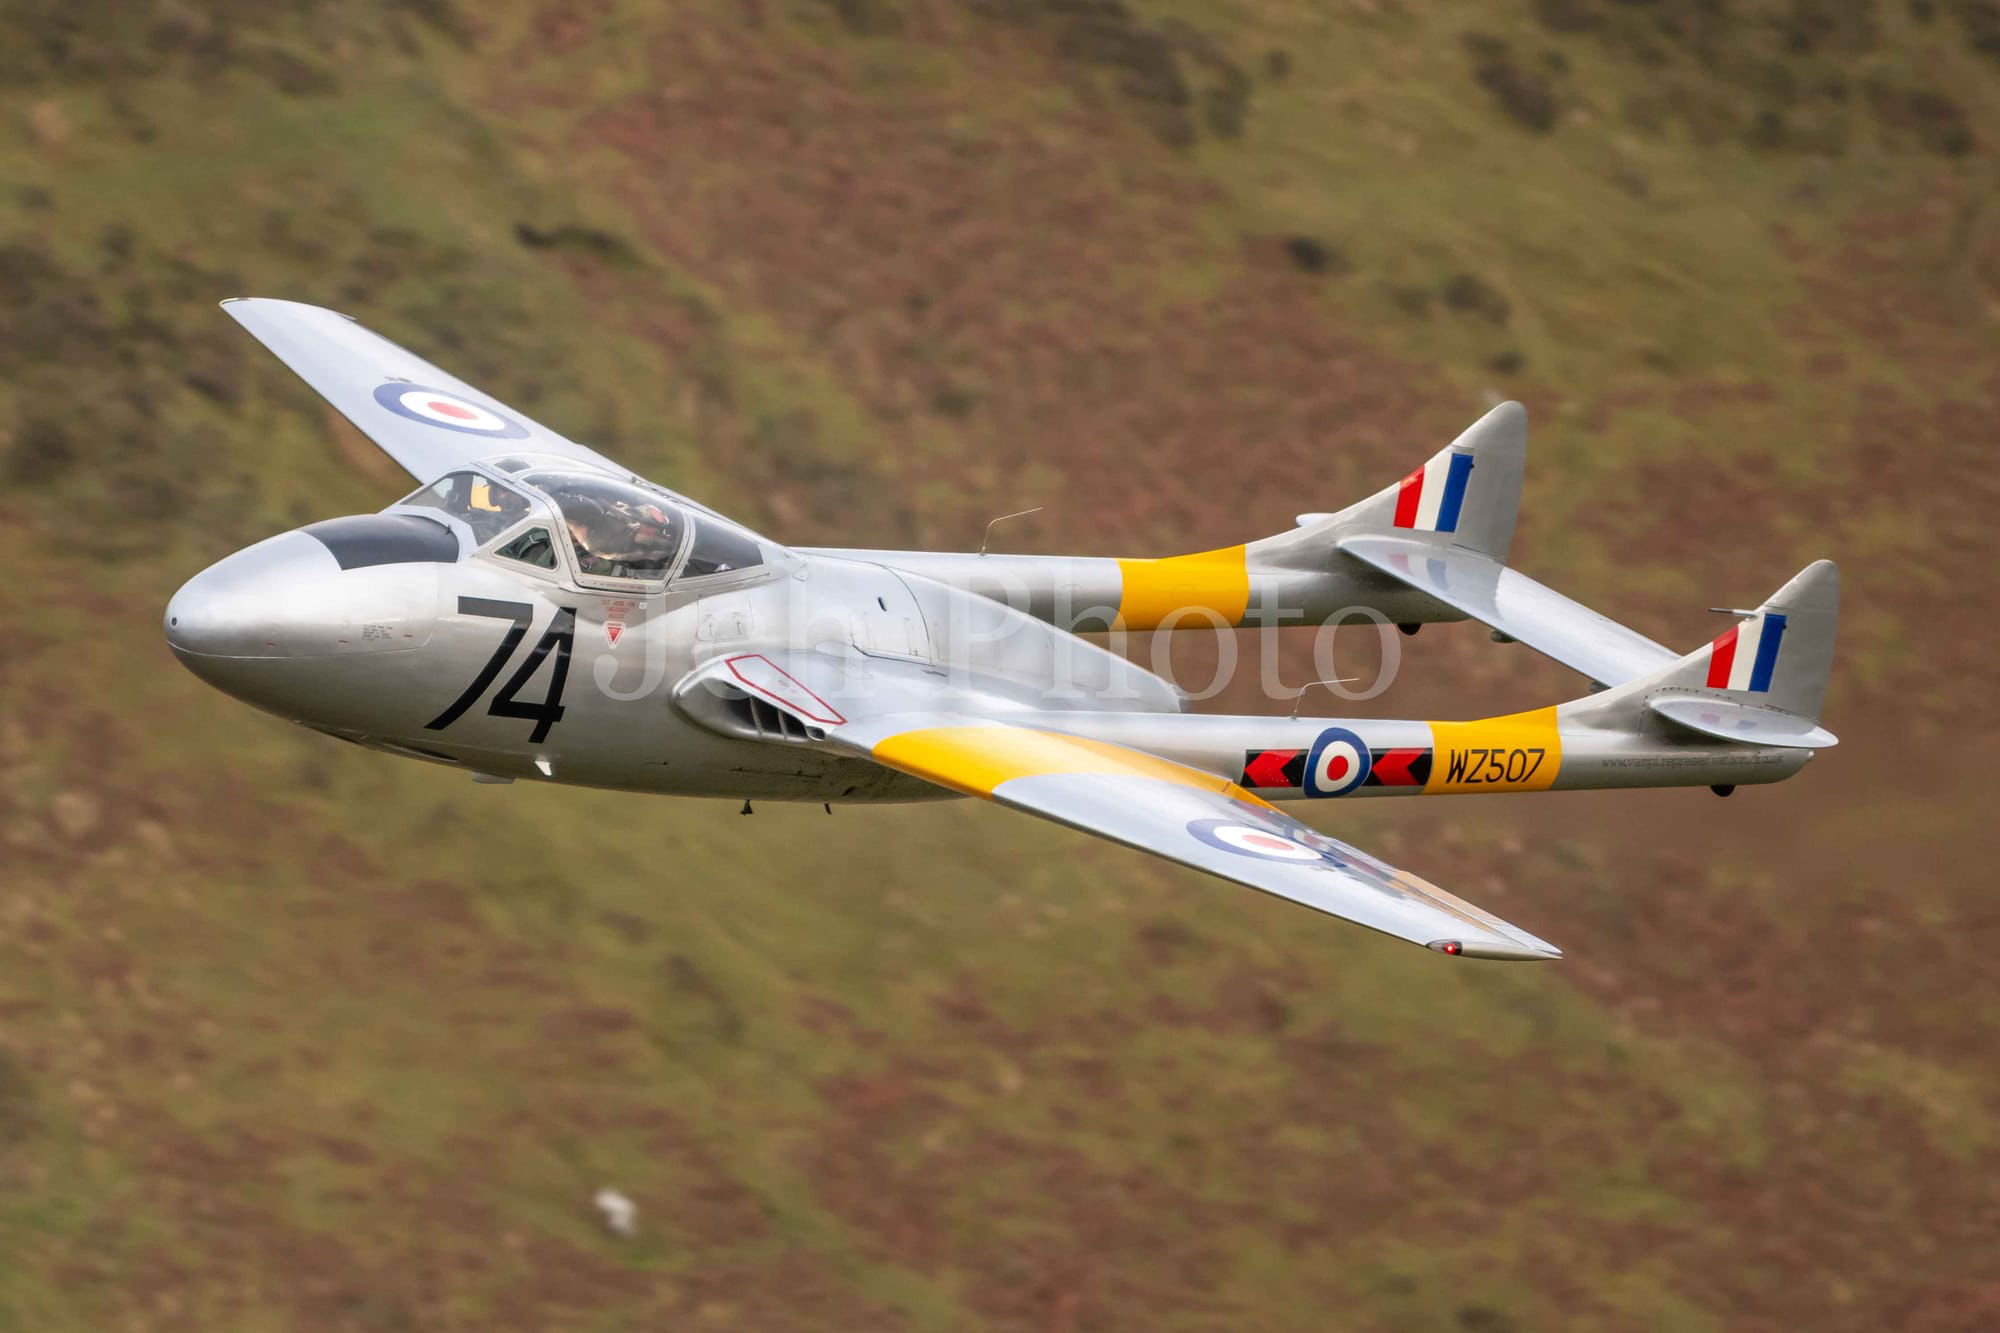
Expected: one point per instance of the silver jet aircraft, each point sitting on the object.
(537, 611)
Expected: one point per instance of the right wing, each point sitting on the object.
(427, 420)
(923, 726)
(1517, 606)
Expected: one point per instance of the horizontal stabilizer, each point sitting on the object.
(1728, 720)
(1760, 682)
(1517, 606)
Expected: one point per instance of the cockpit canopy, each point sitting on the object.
(616, 531)
(485, 506)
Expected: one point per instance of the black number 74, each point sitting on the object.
(557, 638)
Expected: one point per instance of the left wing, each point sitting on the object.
(1126, 795)
(427, 420)
(1185, 815)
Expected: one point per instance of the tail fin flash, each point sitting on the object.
(1468, 493)
(1784, 652)
(1763, 680)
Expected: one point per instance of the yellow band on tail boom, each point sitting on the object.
(1154, 592)
(1518, 752)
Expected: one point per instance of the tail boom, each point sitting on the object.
(1464, 499)
(1284, 759)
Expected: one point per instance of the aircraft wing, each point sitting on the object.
(427, 420)
(1125, 795)
(1516, 605)
(1189, 816)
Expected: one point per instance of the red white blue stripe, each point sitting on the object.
(1430, 498)
(1745, 657)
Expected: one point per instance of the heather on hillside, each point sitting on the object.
(298, 1036)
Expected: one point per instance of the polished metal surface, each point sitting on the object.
(533, 611)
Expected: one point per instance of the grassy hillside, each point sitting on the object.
(293, 1036)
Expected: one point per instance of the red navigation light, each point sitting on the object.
(1452, 947)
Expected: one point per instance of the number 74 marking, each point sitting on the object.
(558, 638)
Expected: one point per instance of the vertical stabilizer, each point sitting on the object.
(1761, 681)
(1466, 494)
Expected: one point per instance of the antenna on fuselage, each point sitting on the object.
(1299, 694)
(987, 540)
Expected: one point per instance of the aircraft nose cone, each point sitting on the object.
(247, 605)
(308, 624)
(291, 626)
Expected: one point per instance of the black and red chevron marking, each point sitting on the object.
(1278, 770)
(1273, 769)
(1409, 766)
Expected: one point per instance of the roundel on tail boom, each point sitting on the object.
(1337, 763)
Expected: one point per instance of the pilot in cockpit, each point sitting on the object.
(654, 536)
(640, 537)
(619, 530)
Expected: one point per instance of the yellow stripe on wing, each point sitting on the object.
(977, 759)
(1152, 591)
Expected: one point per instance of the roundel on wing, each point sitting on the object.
(1337, 763)
(435, 407)
(1246, 839)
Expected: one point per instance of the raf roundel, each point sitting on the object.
(1338, 763)
(1251, 840)
(435, 407)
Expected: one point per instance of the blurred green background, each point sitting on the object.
(293, 1036)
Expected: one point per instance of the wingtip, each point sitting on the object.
(228, 303)
(1499, 952)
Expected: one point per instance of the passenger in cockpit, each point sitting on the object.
(485, 506)
(493, 507)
